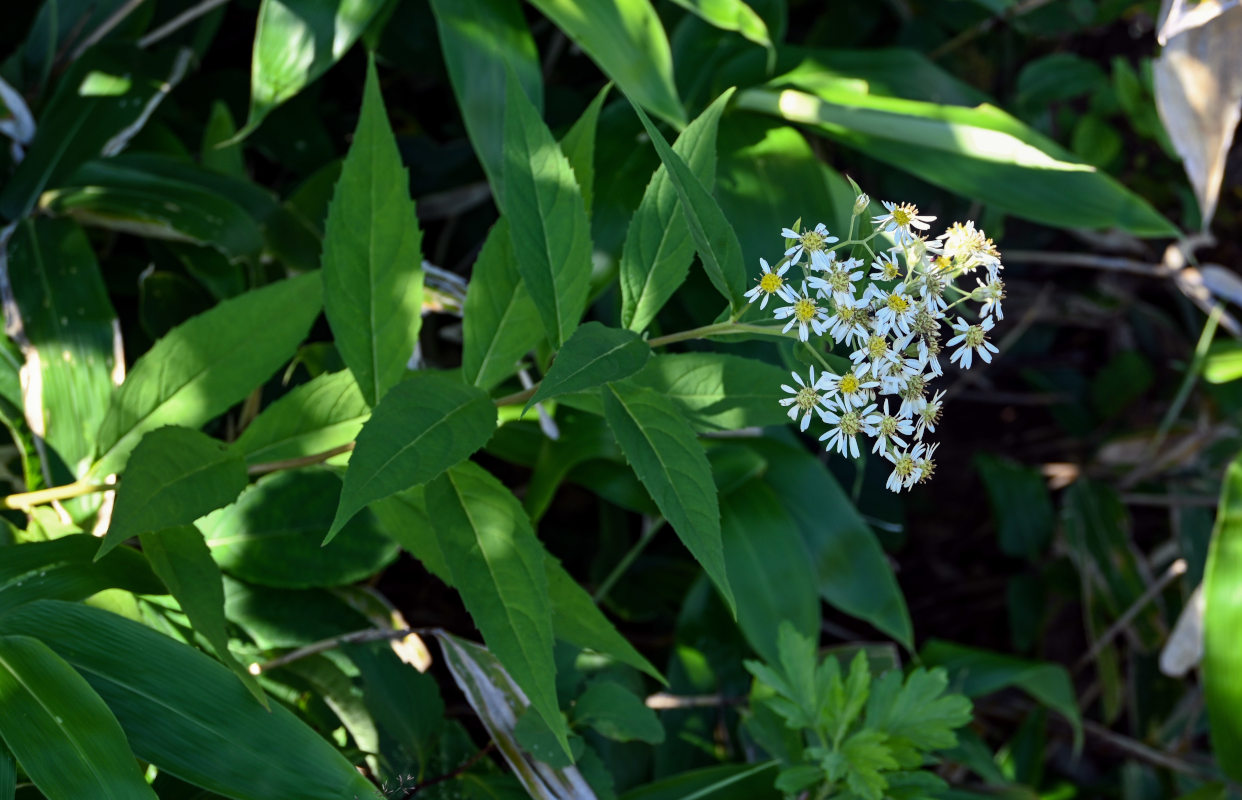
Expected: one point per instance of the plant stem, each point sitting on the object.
(26, 500)
(716, 329)
(649, 532)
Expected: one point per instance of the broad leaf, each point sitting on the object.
(423, 426)
(667, 457)
(594, 355)
(1020, 505)
(372, 255)
(173, 477)
(500, 323)
(186, 713)
(655, 259)
(718, 391)
(626, 39)
(547, 219)
(295, 42)
(714, 238)
(617, 713)
(497, 566)
(1222, 616)
(732, 15)
(65, 569)
(725, 782)
(272, 535)
(62, 734)
(207, 364)
(579, 146)
(326, 412)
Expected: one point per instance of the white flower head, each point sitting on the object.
(849, 319)
(901, 220)
(847, 422)
(896, 309)
(853, 389)
(839, 276)
(929, 415)
(888, 430)
(803, 311)
(973, 339)
(885, 266)
(877, 354)
(814, 240)
(906, 468)
(806, 399)
(768, 283)
(991, 293)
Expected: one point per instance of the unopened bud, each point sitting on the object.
(861, 204)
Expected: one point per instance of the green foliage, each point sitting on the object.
(594, 355)
(1221, 616)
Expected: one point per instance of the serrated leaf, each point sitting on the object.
(321, 414)
(173, 477)
(547, 219)
(669, 461)
(65, 569)
(617, 713)
(916, 715)
(578, 145)
(868, 756)
(372, 255)
(1222, 615)
(186, 713)
(658, 249)
(61, 732)
(717, 391)
(182, 561)
(207, 364)
(593, 355)
(500, 323)
(714, 238)
(423, 426)
(497, 566)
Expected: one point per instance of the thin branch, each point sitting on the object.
(300, 461)
(105, 27)
(459, 771)
(1175, 569)
(974, 32)
(178, 22)
(663, 701)
(1170, 500)
(356, 637)
(27, 500)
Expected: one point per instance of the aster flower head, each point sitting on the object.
(901, 220)
(895, 309)
(838, 277)
(906, 467)
(846, 423)
(815, 240)
(804, 311)
(888, 429)
(853, 389)
(807, 398)
(768, 283)
(991, 294)
(885, 266)
(972, 339)
(849, 320)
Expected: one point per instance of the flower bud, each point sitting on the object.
(860, 204)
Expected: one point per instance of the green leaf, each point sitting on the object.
(173, 477)
(733, 15)
(423, 426)
(626, 40)
(1020, 505)
(207, 364)
(867, 755)
(714, 238)
(67, 331)
(482, 41)
(718, 391)
(593, 355)
(295, 42)
(186, 713)
(617, 713)
(500, 323)
(8, 774)
(668, 459)
(579, 146)
(62, 734)
(981, 153)
(321, 414)
(1222, 616)
(328, 681)
(497, 566)
(915, 715)
(769, 565)
(724, 782)
(658, 249)
(372, 255)
(215, 155)
(979, 672)
(65, 569)
(405, 702)
(182, 561)
(547, 219)
(272, 534)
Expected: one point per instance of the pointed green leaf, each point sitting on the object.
(714, 238)
(668, 459)
(482, 41)
(731, 15)
(658, 249)
(62, 734)
(547, 219)
(272, 535)
(295, 42)
(423, 426)
(718, 391)
(182, 561)
(579, 146)
(627, 41)
(205, 365)
(372, 255)
(497, 566)
(186, 713)
(173, 477)
(617, 713)
(220, 128)
(1222, 619)
(65, 569)
(500, 323)
(593, 355)
(325, 412)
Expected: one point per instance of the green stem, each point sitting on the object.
(715, 330)
(649, 532)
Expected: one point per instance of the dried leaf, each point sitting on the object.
(1177, 16)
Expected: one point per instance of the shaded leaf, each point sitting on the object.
(1020, 505)
(500, 323)
(718, 391)
(323, 413)
(617, 713)
(65, 569)
(593, 355)
(579, 146)
(1222, 615)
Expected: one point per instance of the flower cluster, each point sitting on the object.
(890, 321)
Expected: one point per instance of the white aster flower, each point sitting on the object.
(906, 468)
(877, 354)
(815, 240)
(929, 415)
(929, 357)
(896, 309)
(802, 311)
(847, 422)
(839, 276)
(848, 321)
(973, 339)
(991, 293)
(885, 428)
(885, 267)
(962, 244)
(768, 283)
(807, 398)
(912, 396)
(851, 390)
(901, 219)
(926, 465)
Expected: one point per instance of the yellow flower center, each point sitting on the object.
(904, 466)
(771, 282)
(877, 346)
(849, 384)
(975, 336)
(812, 241)
(898, 303)
(851, 423)
(902, 214)
(806, 398)
(804, 310)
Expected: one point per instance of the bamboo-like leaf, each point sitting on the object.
(1222, 619)
(65, 569)
(578, 145)
(594, 355)
(372, 255)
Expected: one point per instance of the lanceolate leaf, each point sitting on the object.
(499, 322)
(547, 219)
(579, 146)
(595, 354)
(658, 247)
(326, 412)
(207, 364)
(186, 713)
(667, 457)
(497, 565)
(65, 569)
(372, 255)
(717, 391)
(1222, 619)
(296, 41)
(713, 237)
(732, 15)
(173, 477)
(62, 734)
(423, 426)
